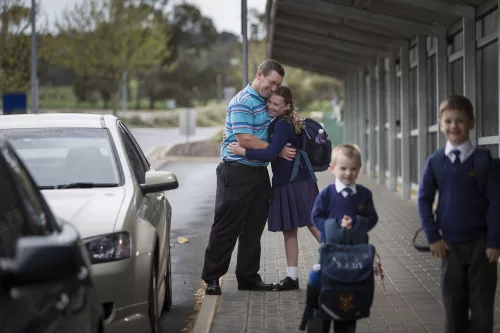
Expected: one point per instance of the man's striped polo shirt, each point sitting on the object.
(246, 114)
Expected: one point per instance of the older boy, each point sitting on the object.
(466, 231)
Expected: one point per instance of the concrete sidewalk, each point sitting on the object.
(411, 301)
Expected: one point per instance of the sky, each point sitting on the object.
(226, 14)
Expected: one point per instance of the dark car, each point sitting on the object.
(46, 283)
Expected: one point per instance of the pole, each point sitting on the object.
(124, 91)
(34, 94)
(244, 41)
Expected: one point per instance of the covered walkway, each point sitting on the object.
(398, 59)
(411, 301)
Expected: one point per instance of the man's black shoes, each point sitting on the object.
(287, 284)
(213, 287)
(257, 285)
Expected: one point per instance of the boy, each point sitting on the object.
(346, 202)
(466, 231)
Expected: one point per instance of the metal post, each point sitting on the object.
(381, 111)
(392, 137)
(405, 122)
(422, 152)
(442, 84)
(124, 91)
(34, 94)
(244, 41)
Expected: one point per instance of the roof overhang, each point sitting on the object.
(336, 37)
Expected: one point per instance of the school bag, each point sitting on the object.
(481, 166)
(311, 155)
(347, 273)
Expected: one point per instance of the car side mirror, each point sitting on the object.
(41, 259)
(159, 181)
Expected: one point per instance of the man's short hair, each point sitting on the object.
(270, 65)
(458, 103)
(349, 150)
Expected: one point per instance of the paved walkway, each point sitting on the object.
(411, 301)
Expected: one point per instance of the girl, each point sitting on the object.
(291, 202)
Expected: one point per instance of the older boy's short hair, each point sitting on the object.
(349, 150)
(458, 103)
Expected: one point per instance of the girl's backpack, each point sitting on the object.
(311, 155)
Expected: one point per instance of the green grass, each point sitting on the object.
(62, 98)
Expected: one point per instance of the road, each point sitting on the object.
(192, 216)
(149, 138)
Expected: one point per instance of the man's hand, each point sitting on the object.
(492, 254)
(439, 248)
(288, 153)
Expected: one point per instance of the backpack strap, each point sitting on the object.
(436, 165)
(296, 165)
(482, 168)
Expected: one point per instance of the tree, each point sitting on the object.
(15, 47)
(103, 39)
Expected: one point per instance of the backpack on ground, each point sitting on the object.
(314, 156)
(481, 167)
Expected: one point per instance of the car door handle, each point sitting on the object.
(160, 197)
(63, 302)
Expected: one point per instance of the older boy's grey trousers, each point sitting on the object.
(468, 282)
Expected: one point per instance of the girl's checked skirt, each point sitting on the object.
(291, 205)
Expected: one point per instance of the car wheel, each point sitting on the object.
(153, 300)
(168, 285)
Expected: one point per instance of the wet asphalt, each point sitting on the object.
(192, 217)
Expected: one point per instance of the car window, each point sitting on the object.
(137, 165)
(140, 153)
(20, 213)
(61, 156)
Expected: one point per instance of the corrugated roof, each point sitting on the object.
(342, 35)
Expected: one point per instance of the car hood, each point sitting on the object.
(92, 211)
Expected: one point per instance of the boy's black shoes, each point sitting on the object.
(258, 285)
(213, 287)
(287, 284)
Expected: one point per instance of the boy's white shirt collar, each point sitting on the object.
(339, 186)
(466, 149)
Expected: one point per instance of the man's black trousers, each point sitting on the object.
(241, 208)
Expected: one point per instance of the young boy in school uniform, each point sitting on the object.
(465, 234)
(346, 202)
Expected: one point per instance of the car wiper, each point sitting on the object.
(78, 185)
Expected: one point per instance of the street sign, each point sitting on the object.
(14, 103)
(187, 122)
(229, 93)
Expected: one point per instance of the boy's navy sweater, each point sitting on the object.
(283, 133)
(332, 204)
(463, 213)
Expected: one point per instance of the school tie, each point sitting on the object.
(457, 156)
(348, 191)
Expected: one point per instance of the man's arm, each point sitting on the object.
(250, 141)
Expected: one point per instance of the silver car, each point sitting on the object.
(92, 172)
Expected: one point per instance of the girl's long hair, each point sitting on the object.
(290, 109)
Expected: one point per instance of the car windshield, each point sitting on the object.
(67, 157)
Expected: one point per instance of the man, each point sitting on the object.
(243, 187)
